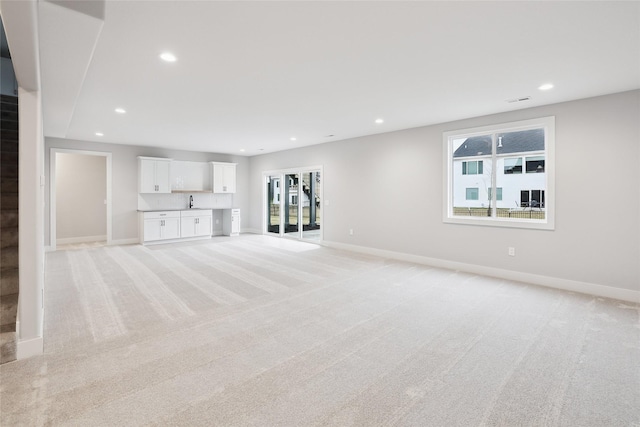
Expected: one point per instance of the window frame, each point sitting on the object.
(546, 123)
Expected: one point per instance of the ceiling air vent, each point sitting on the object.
(524, 98)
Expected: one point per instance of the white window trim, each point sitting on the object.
(548, 123)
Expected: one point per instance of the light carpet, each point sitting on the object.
(260, 331)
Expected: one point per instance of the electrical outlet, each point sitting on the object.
(512, 251)
(351, 232)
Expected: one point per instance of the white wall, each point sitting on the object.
(125, 181)
(81, 192)
(388, 188)
(31, 250)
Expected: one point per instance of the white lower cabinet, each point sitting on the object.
(170, 225)
(160, 226)
(196, 223)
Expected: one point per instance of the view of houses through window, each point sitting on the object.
(293, 204)
(510, 158)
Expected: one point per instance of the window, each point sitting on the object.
(516, 159)
(472, 168)
(532, 198)
(498, 194)
(472, 194)
(513, 165)
(535, 164)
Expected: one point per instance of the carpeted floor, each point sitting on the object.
(260, 331)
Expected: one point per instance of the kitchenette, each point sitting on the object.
(185, 200)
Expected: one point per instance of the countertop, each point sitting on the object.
(180, 209)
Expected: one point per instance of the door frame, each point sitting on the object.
(281, 174)
(52, 190)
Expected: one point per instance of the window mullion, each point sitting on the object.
(494, 168)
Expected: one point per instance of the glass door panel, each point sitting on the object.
(311, 206)
(273, 204)
(291, 203)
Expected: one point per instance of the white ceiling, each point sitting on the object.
(251, 75)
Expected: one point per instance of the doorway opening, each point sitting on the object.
(292, 201)
(80, 198)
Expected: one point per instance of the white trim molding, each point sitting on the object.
(81, 239)
(52, 190)
(251, 231)
(132, 241)
(29, 348)
(517, 276)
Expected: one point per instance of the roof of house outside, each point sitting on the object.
(508, 142)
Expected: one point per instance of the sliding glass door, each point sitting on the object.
(293, 203)
(311, 210)
(291, 199)
(273, 204)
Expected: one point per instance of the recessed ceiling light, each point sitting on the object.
(169, 57)
(379, 121)
(293, 138)
(99, 134)
(242, 150)
(546, 86)
(120, 110)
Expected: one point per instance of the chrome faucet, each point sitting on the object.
(190, 202)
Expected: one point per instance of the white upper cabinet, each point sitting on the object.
(224, 177)
(154, 175)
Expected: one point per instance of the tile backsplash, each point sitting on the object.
(181, 201)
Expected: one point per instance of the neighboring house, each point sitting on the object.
(292, 193)
(520, 178)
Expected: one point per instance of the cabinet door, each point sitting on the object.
(147, 176)
(229, 178)
(163, 176)
(152, 229)
(203, 226)
(235, 224)
(171, 228)
(187, 227)
(224, 178)
(217, 179)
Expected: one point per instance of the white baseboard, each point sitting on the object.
(81, 239)
(29, 348)
(124, 242)
(534, 279)
(251, 230)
